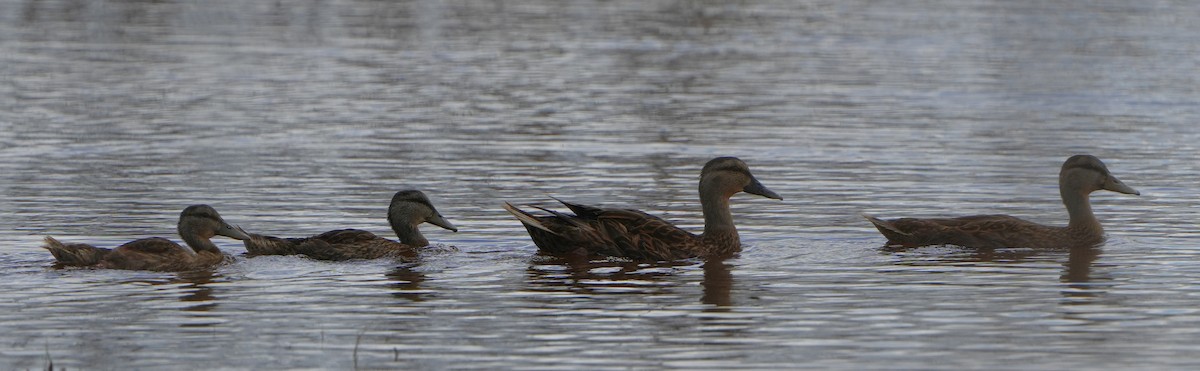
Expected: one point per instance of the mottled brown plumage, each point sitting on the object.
(1080, 176)
(407, 210)
(197, 224)
(637, 235)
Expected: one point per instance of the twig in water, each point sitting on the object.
(357, 340)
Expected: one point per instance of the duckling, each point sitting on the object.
(407, 210)
(638, 235)
(1079, 177)
(197, 224)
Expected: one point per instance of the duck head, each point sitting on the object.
(410, 208)
(204, 221)
(1086, 174)
(729, 175)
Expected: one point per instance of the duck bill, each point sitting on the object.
(1115, 185)
(234, 232)
(438, 220)
(756, 188)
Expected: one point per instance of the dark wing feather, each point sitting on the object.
(346, 244)
(341, 244)
(639, 235)
(346, 236)
(155, 254)
(269, 245)
(583, 211)
(610, 232)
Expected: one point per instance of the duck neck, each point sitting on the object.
(409, 234)
(199, 242)
(1080, 210)
(718, 221)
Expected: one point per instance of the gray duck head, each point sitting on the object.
(204, 221)
(729, 175)
(412, 207)
(1086, 173)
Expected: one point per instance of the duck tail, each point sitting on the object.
(527, 218)
(75, 254)
(888, 230)
(583, 211)
(885, 226)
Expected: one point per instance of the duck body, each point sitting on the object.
(341, 244)
(407, 210)
(150, 254)
(981, 231)
(197, 224)
(637, 235)
(1080, 176)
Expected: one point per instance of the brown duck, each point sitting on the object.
(197, 224)
(1080, 176)
(637, 235)
(408, 209)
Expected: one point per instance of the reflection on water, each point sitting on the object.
(407, 283)
(577, 275)
(1077, 275)
(308, 116)
(198, 290)
(718, 280)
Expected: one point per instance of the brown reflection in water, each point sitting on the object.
(584, 276)
(197, 289)
(1077, 274)
(1077, 270)
(718, 282)
(408, 283)
(966, 255)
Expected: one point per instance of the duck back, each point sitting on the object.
(979, 231)
(159, 254)
(342, 244)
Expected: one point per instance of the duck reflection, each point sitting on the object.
(717, 283)
(579, 275)
(1078, 268)
(407, 283)
(919, 255)
(196, 289)
(1077, 275)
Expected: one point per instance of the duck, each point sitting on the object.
(197, 225)
(408, 209)
(633, 234)
(1080, 176)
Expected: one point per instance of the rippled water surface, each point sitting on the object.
(296, 117)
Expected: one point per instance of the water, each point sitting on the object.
(293, 118)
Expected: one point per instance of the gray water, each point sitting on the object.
(296, 117)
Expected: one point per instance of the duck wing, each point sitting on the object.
(979, 231)
(611, 232)
(636, 234)
(154, 253)
(346, 236)
(346, 244)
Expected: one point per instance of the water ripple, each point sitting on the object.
(301, 118)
